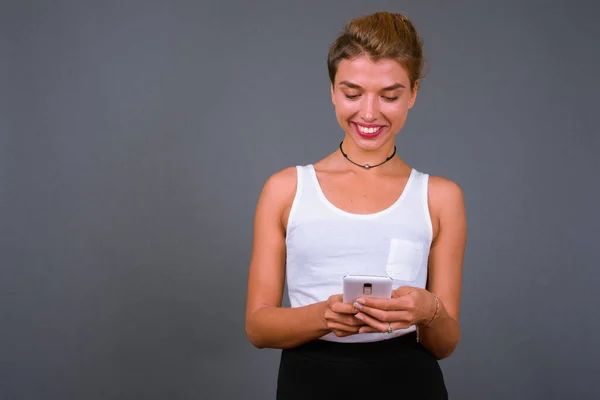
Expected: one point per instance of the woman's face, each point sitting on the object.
(371, 100)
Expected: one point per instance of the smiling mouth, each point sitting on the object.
(369, 131)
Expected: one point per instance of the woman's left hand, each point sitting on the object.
(408, 306)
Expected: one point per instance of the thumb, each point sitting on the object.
(402, 291)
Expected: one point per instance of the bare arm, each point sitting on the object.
(415, 306)
(445, 266)
(268, 325)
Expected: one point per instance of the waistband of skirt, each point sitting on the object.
(361, 351)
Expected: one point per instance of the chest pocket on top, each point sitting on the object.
(405, 259)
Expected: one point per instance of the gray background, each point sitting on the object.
(135, 138)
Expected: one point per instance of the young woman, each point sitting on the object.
(360, 210)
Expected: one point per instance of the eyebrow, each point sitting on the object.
(385, 89)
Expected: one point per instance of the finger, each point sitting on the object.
(341, 333)
(402, 291)
(342, 327)
(367, 329)
(343, 308)
(372, 322)
(393, 304)
(336, 298)
(376, 313)
(384, 316)
(344, 319)
(379, 326)
(350, 320)
(381, 304)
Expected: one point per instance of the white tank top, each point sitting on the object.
(324, 243)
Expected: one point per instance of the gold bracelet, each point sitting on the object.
(437, 308)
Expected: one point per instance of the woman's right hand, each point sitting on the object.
(340, 317)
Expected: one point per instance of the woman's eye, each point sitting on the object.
(356, 96)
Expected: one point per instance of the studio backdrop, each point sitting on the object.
(135, 137)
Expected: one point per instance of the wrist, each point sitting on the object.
(435, 311)
(321, 311)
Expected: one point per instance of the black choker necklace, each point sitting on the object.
(367, 166)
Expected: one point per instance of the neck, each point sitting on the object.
(364, 158)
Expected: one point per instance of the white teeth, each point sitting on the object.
(367, 130)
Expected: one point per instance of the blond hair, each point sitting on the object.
(382, 35)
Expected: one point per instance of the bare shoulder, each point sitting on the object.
(446, 203)
(278, 195)
(444, 193)
(281, 185)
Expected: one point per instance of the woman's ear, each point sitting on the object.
(332, 96)
(413, 95)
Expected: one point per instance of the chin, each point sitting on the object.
(370, 144)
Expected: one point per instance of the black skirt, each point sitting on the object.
(398, 368)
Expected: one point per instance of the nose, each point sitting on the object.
(369, 108)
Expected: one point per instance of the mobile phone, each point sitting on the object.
(356, 286)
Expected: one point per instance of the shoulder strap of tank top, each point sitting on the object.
(421, 194)
(306, 197)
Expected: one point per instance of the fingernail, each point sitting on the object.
(361, 301)
(359, 306)
(359, 317)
